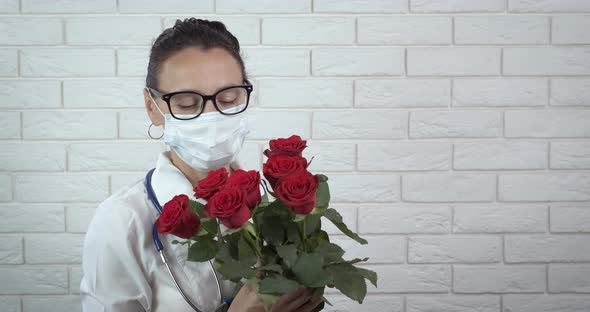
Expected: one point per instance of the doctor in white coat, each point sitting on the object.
(197, 91)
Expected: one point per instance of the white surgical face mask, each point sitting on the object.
(210, 141)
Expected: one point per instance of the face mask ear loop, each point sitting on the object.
(154, 102)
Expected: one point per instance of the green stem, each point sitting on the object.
(303, 236)
(219, 236)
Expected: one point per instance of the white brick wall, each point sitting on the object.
(456, 135)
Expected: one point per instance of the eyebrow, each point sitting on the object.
(197, 91)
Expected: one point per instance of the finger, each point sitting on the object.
(285, 299)
(310, 305)
(296, 303)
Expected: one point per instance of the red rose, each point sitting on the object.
(213, 183)
(298, 191)
(277, 167)
(291, 146)
(248, 181)
(229, 205)
(177, 219)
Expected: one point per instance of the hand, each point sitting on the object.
(299, 300)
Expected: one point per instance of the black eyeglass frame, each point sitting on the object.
(167, 96)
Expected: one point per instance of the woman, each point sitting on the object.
(198, 91)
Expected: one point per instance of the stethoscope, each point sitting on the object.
(160, 248)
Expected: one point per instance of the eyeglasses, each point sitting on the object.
(186, 105)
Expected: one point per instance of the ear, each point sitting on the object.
(155, 116)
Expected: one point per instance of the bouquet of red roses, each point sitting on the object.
(278, 245)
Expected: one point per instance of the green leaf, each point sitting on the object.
(245, 250)
(312, 224)
(323, 194)
(333, 215)
(322, 178)
(330, 251)
(320, 237)
(197, 208)
(233, 270)
(203, 249)
(368, 274)
(299, 217)
(209, 225)
(309, 270)
(288, 253)
(294, 233)
(272, 230)
(277, 284)
(349, 281)
(272, 268)
(267, 299)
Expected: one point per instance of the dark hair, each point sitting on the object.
(191, 32)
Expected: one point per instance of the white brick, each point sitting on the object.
(384, 303)
(412, 278)
(119, 181)
(406, 156)
(544, 187)
(78, 217)
(455, 124)
(359, 124)
(132, 62)
(458, 6)
(402, 93)
(546, 61)
(348, 214)
(30, 31)
(549, 6)
(10, 304)
(262, 6)
(33, 280)
(455, 303)
(61, 188)
(570, 155)
(380, 249)
(11, 249)
(101, 93)
(270, 125)
(112, 30)
(330, 156)
(498, 279)
(323, 93)
(277, 61)
(500, 219)
(545, 303)
(69, 6)
(134, 124)
(405, 30)
(496, 92)
(570, 92)
(362, 61)
(113, 156)
(503, 155)
(53, 157)
(569, 278)
(245, 28)
(547, 123)
(448, 187)
(31, 218)
(64, 62)
(570, 29)
(75, 279)
(52, 304)
(364, 188)
(8, 62)
(56, 248)
(452, 249)
(5, 188)
(501, 30)
(547, 248)
(308, 30)
(460, 61)
(173, 6)
(250, 156)
(9, 6)
(30, 94)
(570, 218)
(9, 125)
(405, 219)
(360, 6)
(70, 125)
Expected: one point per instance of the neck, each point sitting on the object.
(192, 174)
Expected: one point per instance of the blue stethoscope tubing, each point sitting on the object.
(160, 248)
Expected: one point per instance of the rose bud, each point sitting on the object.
(277, 167)
(249, 181)
(291, 146)
(298, 191)
(229, 205)
(213, 183)
(177, 219)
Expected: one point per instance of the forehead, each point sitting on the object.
(204, 71)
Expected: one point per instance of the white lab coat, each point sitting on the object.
(122, 270)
